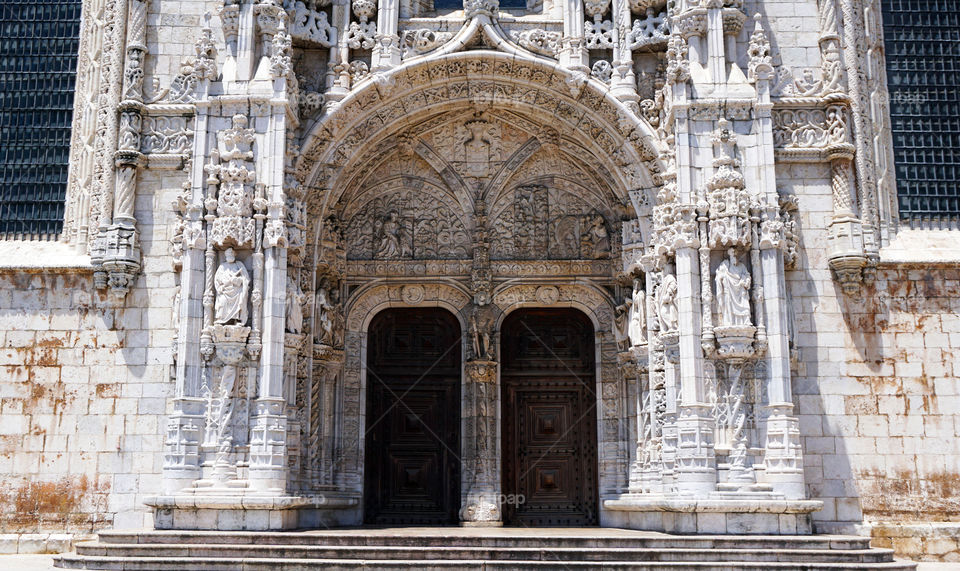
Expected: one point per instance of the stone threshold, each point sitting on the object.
(648, 502)
(249, 501)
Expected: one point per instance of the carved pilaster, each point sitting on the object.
(481, 454)
(117, 255)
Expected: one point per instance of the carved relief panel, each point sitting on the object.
(407, 223)
(540, 221)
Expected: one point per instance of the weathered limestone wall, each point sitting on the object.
(877, 390)
(84, 387)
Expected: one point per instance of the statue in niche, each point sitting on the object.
(337, 323)
(480, 339)
(329, 318)
(667, 309)
(638, 315)
(294, 306)
(324, 324)
(621, 326)
(596, 240)
(733, 291)
(232, 286)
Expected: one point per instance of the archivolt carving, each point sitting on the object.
(534, 88)
(367, 302)
(592, 300)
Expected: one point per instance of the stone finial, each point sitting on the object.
(761, 64)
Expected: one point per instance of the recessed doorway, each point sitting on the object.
(549, 419)
(412, 466)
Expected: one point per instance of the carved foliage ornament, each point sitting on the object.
(538, 41)
(310, 23)
(424, 40)
(194, 69)
(649, 31)
(810, 128)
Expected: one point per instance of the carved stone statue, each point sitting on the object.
(329, 318)
(733, 291)
(337, 323)
(388, 238)
(480, 339)
(294, 306)
(232, 286)
(324, 324)
(638, 315)
(667, 304)
(621, 325)
(597, 239)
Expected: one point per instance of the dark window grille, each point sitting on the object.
(38, 59)
(922, 43)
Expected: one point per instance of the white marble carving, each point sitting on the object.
(232, 286)
(733, 291)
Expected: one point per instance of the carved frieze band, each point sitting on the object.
(810, 133)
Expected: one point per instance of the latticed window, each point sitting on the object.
(38, 59)
(922, 41)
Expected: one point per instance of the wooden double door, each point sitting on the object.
(412, 459)
(549, 421)
(412, 472)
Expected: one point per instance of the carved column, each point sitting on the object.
(573, 50)
(696, 465)
(782, 457)
(181, 465)
(481, 457)
(386, 52)
(105, 141)
(623, 83)
(695, 462)
(116, 257)
(847, 257)
(268, 446)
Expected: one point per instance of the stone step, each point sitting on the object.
(446, 553)
(486, 549)
(272, 564)
(457, 537)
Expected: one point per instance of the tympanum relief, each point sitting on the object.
(420, 203)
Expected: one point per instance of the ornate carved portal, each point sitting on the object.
(482, 183)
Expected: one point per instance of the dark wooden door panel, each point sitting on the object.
(549, 419)
(412, 468)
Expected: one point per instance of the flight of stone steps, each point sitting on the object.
(472, 548)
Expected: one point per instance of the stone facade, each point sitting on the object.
(710, 184)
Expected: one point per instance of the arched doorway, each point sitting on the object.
(549, 419)
(412, 466)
